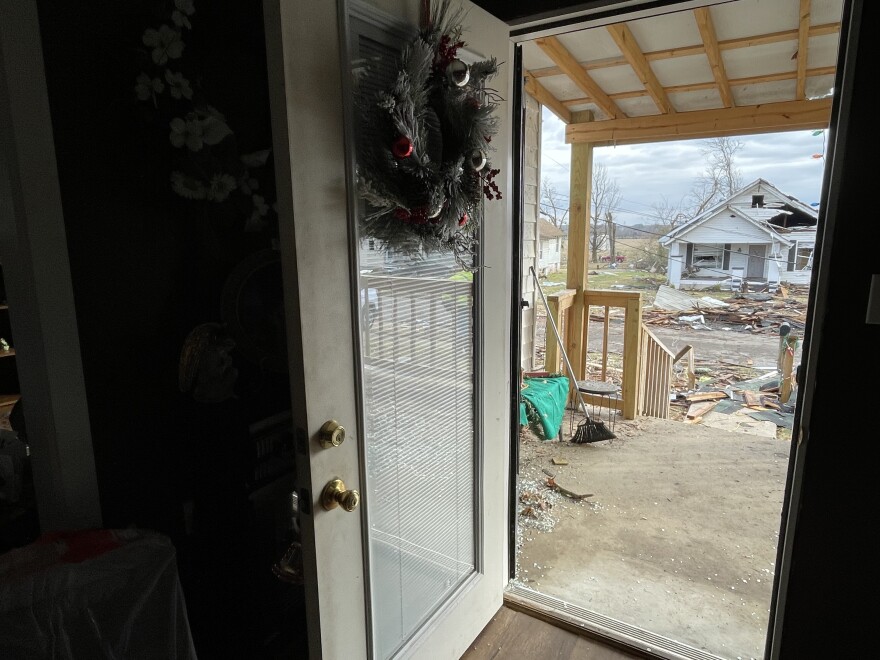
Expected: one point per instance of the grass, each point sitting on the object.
(610, 278)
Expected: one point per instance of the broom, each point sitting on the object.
(589, 430)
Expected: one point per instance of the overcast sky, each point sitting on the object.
(648, 172)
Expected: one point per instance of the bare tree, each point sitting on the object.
(553, 205)
(669, 215)
(721, 153)
(604, 198)
(721, 177)
(720, 180)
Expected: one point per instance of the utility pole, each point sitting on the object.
(609, 221)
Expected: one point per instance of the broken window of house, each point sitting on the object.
(708, 256)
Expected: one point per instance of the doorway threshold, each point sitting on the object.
(591, 624)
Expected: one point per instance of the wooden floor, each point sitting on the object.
(513, 635)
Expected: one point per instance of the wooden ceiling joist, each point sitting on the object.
(684, 51)
(803, 45)
(570, 67)
(713, 52)
(538, 92)
(743, 120)
(695, 87)
(628, 45)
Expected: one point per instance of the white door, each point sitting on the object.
(418, 569)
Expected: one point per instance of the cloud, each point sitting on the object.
(648, 173)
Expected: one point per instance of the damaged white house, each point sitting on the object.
(759, 235)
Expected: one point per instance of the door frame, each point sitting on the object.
(565, 18)
(36, 267)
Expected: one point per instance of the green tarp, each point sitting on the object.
(542, 405)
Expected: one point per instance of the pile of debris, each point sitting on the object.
(757, 312)
(758, 398)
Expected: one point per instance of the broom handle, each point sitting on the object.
(559, 341)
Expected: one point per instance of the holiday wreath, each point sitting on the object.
(423, 166)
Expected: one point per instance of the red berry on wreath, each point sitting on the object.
(463, 221)
(401, 214)
(402, 147)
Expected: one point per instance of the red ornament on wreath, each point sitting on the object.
(402, 214)
(402, 147)
(463, 221)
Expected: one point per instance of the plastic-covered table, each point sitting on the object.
(93, 594)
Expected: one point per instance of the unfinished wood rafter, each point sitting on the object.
(713, 52)
(570, 67)
(540, 93)
(695, 87)
(628, 45)
(803, 45)
(742, 120)
(699, 49)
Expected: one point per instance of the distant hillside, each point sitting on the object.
(641, 230)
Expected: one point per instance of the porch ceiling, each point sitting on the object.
(737, 68)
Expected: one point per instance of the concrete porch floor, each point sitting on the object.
(678, 538)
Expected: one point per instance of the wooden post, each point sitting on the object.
(551, 351)
(580, 183)
(604, 342)
(787, 366)
(631, 350)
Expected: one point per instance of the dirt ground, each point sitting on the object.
(679, 532)
(678, 536)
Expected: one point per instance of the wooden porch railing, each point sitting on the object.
(655, 374)
(630, 301)
(648, 364)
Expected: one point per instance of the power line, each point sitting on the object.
(729, 232)
(683, 261)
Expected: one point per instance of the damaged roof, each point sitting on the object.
(760, 216)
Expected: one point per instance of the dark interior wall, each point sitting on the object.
(143, 265)
(148, 266)
(833, 569)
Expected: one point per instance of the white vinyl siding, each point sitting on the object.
(549, 258)
(723, 229)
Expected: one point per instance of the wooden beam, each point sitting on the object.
(540, 93)
(699, 49)
(592, 65)
(566, 62)
(694, 87)
(602, 297)
(803, 46)
(710, 41)
(776, 37)
(632, 335)
(743, 120)
(580, 184)
(626, 41)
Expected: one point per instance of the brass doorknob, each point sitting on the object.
(335, 494)
(331, 434)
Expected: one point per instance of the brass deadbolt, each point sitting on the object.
(335, 494)
(331, 434)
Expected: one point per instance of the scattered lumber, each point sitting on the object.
(705, 396)
(551, 483)
(700, 408)
(752, 399)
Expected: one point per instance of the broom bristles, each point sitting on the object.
(591, 431)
